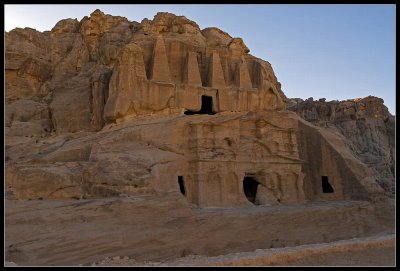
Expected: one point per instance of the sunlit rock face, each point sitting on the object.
(158, 139)
(196, 107)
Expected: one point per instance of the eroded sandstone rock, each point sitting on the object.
(367, 126)
(105, 69)
(169, 133)
(80, 51)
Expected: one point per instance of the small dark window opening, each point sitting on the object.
(326, 186)
(250, 188)
(181, 185)
(206, 107)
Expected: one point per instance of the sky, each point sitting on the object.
(336, 52)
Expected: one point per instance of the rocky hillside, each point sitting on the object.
(75, 77)
(147, 140)
(73, 80)
(366, 124)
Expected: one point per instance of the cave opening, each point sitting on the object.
(250, 188)
(326, 186)
(206, 106)
(181, 185)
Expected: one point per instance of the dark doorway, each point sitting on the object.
(326, 186)
(250, 188)
(181, 185)
(206, 106)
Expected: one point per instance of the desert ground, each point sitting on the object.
(368, 251)
(104, 232)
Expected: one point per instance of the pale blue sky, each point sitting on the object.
(335, 52)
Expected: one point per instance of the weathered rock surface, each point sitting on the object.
(161, 227)
(156, 127)
(366, 124)
(147, 65)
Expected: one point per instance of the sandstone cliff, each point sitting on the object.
(148, 139)
(102, 68)
(366, 124)
(106, 107)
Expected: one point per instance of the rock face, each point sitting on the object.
(367, 126)
(163, 115)
(155, 67)
(105, 69)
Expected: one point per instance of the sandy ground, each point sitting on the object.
(368, 251)
(144, 230)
